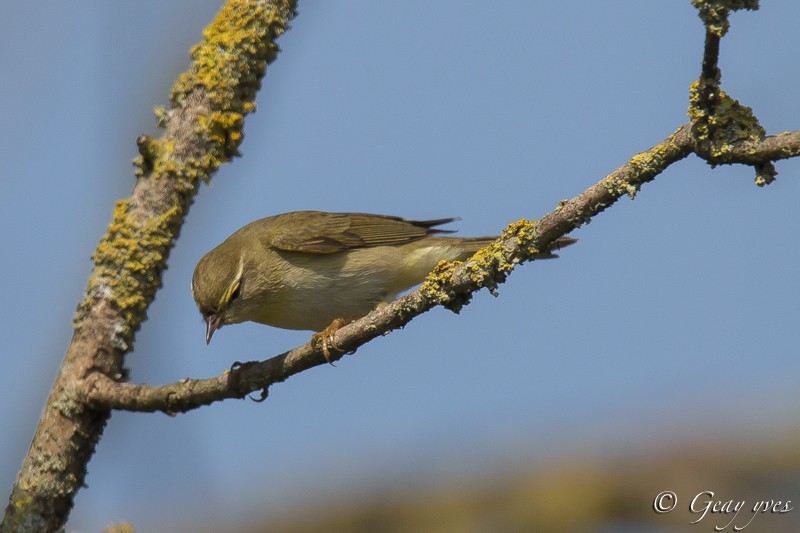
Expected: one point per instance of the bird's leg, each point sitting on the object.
(326, 336)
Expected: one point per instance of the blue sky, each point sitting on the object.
(674, 319)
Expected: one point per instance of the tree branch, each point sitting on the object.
(718, 120)
(203, 129)
(450, 285)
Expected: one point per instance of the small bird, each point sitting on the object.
(317, 271)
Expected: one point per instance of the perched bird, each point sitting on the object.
(317, 271)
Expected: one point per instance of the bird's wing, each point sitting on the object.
(320, 232)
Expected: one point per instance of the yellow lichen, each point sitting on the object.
(488, 267)
(441, 275)
(714, 13)
(128, 261)
(229, 64)
(729, 121)
(227, 68)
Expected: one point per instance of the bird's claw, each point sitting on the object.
(235, 371)
(262, 397)
(238, 366)
(325, 337)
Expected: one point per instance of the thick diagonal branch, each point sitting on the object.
(203, 129)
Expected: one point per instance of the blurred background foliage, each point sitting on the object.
(573, 494)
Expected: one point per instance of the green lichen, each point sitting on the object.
(618, 186)
(26, 512)
(68, 407)
(162, 115)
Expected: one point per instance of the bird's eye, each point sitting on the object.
(236, 292)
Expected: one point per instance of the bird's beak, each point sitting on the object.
(213, 323)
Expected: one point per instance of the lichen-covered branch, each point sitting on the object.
(203, 129)
(718, 119)
(450, 285)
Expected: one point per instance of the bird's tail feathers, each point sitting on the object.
(473, 244)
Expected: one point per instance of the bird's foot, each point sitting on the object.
(235, 373)
(326, 337)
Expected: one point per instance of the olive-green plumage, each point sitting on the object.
(304, 269)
